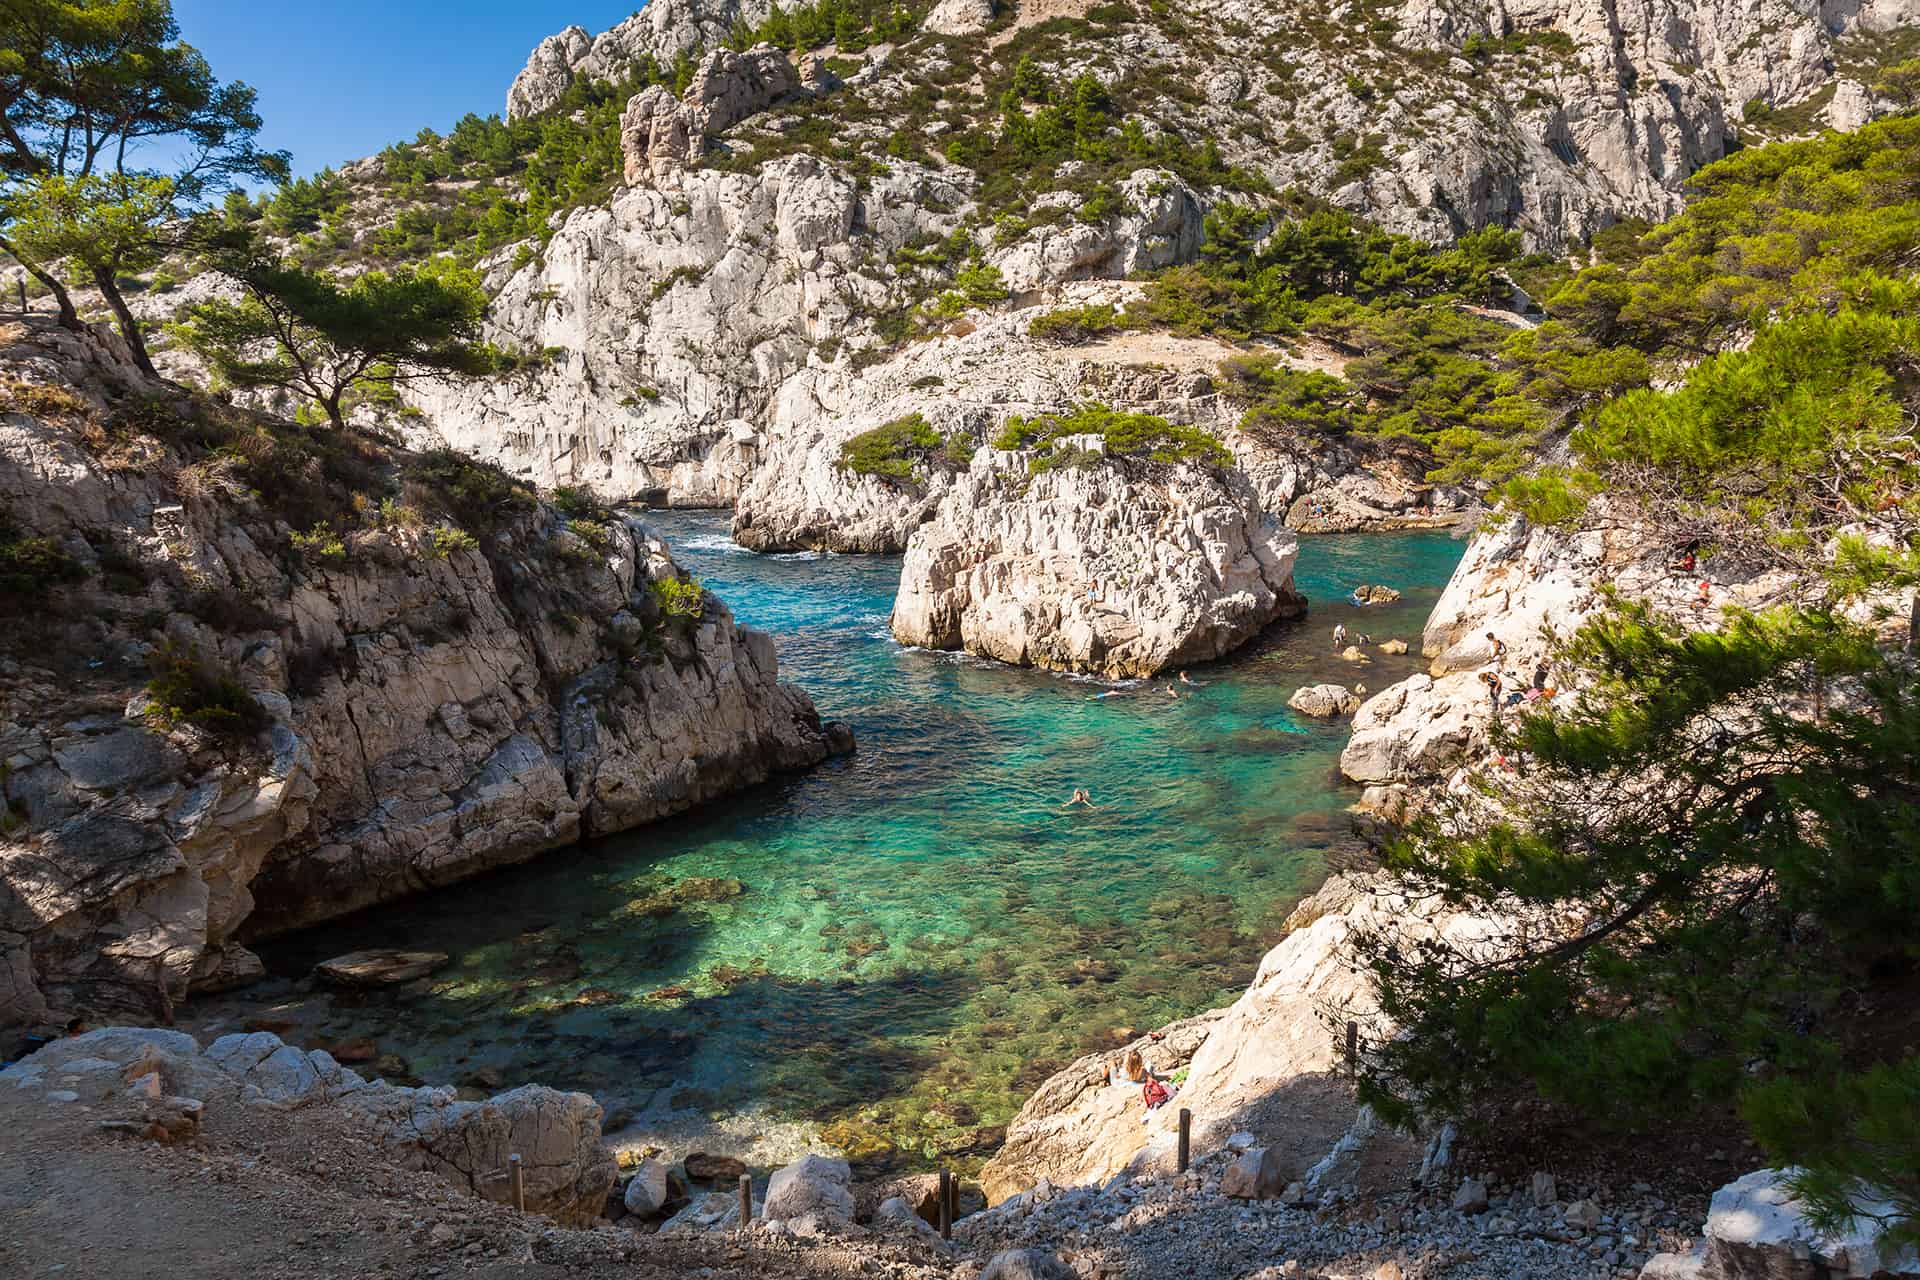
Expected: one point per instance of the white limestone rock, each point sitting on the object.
(959, 17)
(647, 1190)
(662, 29)
(1262, 1064)
(1757, 1230)
(1088, 568)
(419, 727)
(812, 1186)
(659, 136)
(1324, 701)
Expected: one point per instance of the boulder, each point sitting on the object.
(1757, 1229)
(812, 1186)
(702, 1167)
(1470, 1196)
(379, 968)
(1395, 647)
(1090, 568)
(1544, 1190)
(1324, 701)
(1418, 730)
(1025, 1264)
(1583, 1215)
(568, 1173)
(959, 17)
(1677, 1266)
(1258, 1174)
(647, 1191)
(1374, 594)
(1353, 653)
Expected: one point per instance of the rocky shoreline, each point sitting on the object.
(395, 711)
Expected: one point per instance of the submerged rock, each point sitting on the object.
(1087, 568)
(379, 968)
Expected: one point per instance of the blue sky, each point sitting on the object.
(342, 79)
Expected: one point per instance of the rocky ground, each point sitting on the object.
(269, 1181)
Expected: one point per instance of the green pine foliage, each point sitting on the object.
(1703, 877)
(904, 452)
(1125, 438)
(1853, 1141)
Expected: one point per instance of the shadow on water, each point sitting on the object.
(919, 934)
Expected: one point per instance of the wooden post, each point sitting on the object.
(519, 1178)
(20, 283)
(746, 1201)
(946, 1204)
(1353, 1050)
(1186, 1138)
(953, 1200)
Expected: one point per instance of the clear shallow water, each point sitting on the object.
(921, 933)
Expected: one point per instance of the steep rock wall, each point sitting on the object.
(429, 705)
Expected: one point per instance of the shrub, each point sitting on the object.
(188, 688)
(445, 539)
(903, 451)
(1071, 326)
(480, 496)
(320, 544)
(1139, 437)
(680, 598)
(31, 568)
(577, 502)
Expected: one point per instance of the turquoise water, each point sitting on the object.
(921, 933)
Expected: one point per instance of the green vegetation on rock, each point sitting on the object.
(189, 688)
(1135, 437)
(903, 451)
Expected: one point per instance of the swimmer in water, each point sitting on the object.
(1189, 680)
(1081, 797)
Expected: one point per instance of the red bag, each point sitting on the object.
(1154, 1092)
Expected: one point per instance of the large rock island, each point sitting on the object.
(1095, 567)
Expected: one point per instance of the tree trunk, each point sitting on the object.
(69, 318)
(332, 405)
(1913, 623)
(129, 327)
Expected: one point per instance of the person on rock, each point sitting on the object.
(1499, 646)
(1491, 679)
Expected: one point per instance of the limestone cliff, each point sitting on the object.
(695, 323)
(1114, 567)
(1524, 585)
(253, 675)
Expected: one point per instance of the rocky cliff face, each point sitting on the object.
(661, 29)
(1523, 585)
(214, 728)
(1106, 567)
(696, 325)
